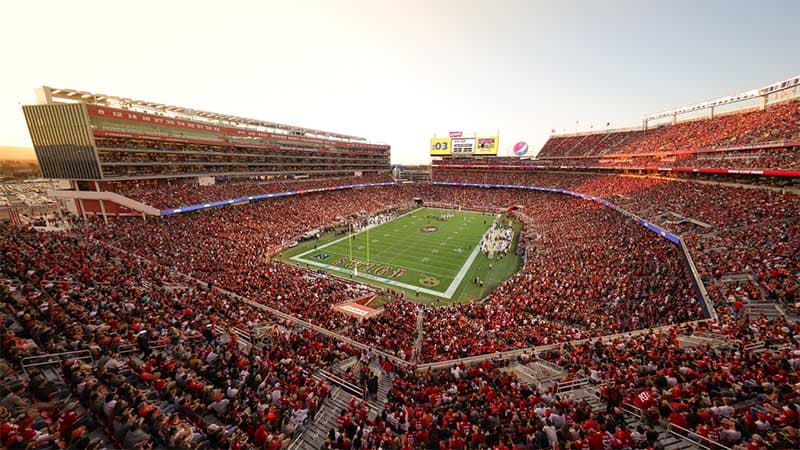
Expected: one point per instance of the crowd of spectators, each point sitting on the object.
(482, 406)
(757, 140)
(757, 159)
(777, 158)
(200, 389)
(232, 147)
(729, 229)
(172, 195)
(588, 271)
(731, 395)
(394, 330)
(735, 395)
(776, 123)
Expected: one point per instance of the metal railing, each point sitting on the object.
(712, 335)
(243, 337)
(128, 348)
(572, 385)
(700, 287)
(678, 431)
(509, 354)
(754, 346)
(54, 359)
(780, 347)
(346, 386)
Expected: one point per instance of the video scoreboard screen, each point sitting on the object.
(463, 146)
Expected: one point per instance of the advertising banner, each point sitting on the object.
(487, 145)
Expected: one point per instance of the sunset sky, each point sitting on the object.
(398, 72)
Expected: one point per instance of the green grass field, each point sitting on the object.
(432, 261)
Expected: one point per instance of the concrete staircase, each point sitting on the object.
(537, 372)
(112, 197)
(316, 429)
(769, 310)
(344, 365)
(420, 333)
(666, 438)
(698, 339)
(353, 365)
(384, 386)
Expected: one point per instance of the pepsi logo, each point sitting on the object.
(520, 148)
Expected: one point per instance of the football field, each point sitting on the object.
(417, 252)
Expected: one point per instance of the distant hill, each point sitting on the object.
(16, 153)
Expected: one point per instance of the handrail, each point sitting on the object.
(348, 387)
(127, 202)
(128, 348)
(780, 347)
(551, 365)
(296, 442)
(508, 354)
(157, 344)
(712, 335)
(244, 337)
(689, 435)
(705, 300)
(47, 359)
(757, 345)
(712, 444)
(571, 385)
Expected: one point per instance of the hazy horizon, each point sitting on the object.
(8, 153)
(400, 72)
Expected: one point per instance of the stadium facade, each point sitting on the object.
(94, 143)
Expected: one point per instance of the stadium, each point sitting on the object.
(207, 280)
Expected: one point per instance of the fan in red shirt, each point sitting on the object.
(645, 399)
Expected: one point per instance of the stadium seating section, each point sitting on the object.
(163, 195)
(776, 123)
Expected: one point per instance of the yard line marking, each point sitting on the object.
(343, 238)
(448, 294)
(460, 275)
(399, 266)
(373, 278)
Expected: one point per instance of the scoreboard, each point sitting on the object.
(440, 146)
(465, 146)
